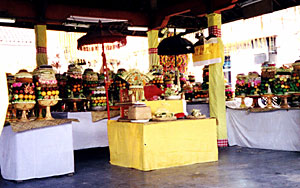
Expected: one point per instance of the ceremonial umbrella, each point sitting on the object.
(175, 45)
(100, 35)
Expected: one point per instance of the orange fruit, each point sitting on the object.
(53, 92)
(49, 92)
(21, 96)
(43, 93)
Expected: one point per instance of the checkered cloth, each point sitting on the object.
(215, 31)
(222, 142)
(41, 50)
(152, 50)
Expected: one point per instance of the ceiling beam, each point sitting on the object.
(26, 11)
(196, 7)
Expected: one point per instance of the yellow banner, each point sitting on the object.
(206, 54)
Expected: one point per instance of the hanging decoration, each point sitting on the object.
(208, 52)
(168, 62)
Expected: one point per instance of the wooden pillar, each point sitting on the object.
(41, 44)
(216, 83)
(152, 44)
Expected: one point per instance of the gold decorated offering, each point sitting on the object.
(47, 90)
(23, 94)
(48, 103)
(136, 81)
(24, 106)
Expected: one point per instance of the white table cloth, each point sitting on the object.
(36, 153)
(88, 134)
(277, 130)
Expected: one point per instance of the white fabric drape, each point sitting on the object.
(277, 130)
(88, 134)
(36, 153)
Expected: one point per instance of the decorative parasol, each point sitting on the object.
(101, 35)
(175, 45)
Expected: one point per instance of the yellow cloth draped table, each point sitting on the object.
(174, 106)
(156, 145)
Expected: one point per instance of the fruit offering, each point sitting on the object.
(282, 80)
(75, 83)
(62, 85)
(90, 80)
(228, 92)
(98, 98)
(295, 79)
(205, 76)
(198, 92)
(23, 88)
(268, 72)
(158, 79)
(254, 82)
(46, 83)
(241, 85)
(10, 81)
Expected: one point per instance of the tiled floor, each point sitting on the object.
(237, 167)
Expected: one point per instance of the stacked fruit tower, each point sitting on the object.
(205, 84)
(47, 90)
(46, 83)
(253, 85)
(253, 88)
(23, 93)
(198, 92)
(94, 90)
(23, 88)
(241, 85)
(268, 72)
(98, 98)
(228, 92)
(295, 79)
(282, 82)
(75, 83)
(90, 80)
(158, 79)
(62, 85)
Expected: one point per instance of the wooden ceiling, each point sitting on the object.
(154, 14)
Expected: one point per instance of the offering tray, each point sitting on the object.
(47, 103)
(164, 119)
(24, 106)
(196, 117)
(173, 97)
